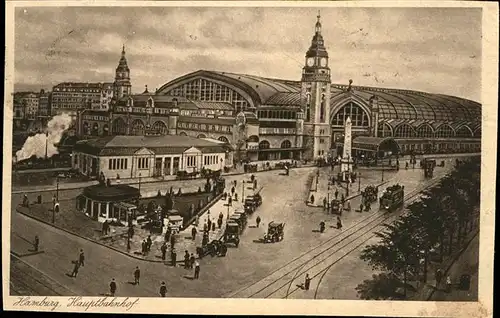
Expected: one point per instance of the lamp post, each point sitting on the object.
(328, 198)
(57, 188)
(382, 169)
(359, 181)
(140, 183)
(129, 230)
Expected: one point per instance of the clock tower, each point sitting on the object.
(122, 85)
(315, 93)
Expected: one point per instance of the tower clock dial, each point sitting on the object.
(323, 62)
(310, 61)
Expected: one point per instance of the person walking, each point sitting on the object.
(439, 276)
(186, 259)
(232, 191)
(196, 270)
(149, 243)
(163, 289)
(209, 224)
(75, 268)
(112, 287)
(173, 256)
(448, 284)
(163, 251)
(322, 226)
(361, 207)
(213, 226)
(172, 241)
(258, 221)
(192, 259)
(137, 276)
(193, 232)
(312, 198)
(81, 259)
(219, 222)
(339, 223)
(143, 247)
(324, 204)
(336, 194)
(221, 216)
(230, 201)
(36, 243)
(307, 282)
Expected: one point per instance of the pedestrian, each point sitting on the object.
(448, 284)
(213, 227)
(324, 203)
(168, 233)
(112, 287)
(209, 224)
(191, 261)
(322, 226)
(163, 289)
(197, 220)
(339, 223)
(173, 256)
(361, 207)
(230, 201)
(172, 241)
(336, 194)
(368, 207)
(204, 241)
(149, 243)
(193, 233)
(196, 270)
(137, 276)
(143, 247)
(312, 198)
(81, 258)
(75, 268)
(36, 243)
(104, 224)
(307, 282)
(205, 227)
(439, 276)
(163, 251)
(25, 200)
(348, 205)
(221, 216)
(235, 183)
(258, 221)
(255, 184)
(342, 198)
(186, 259)
(232, 190)
(219, 222)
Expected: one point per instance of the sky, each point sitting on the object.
(436, 50)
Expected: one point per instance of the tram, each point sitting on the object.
(392, 198)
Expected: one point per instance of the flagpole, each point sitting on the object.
(46, 144)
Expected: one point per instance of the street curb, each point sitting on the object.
(144, 182)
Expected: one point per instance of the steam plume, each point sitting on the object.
(35, 145)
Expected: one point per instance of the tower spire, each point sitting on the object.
(123, 49)
(318, 23)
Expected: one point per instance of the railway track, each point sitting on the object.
(318, 260)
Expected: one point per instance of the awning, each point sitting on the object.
(369, 143)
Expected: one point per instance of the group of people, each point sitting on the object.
(146, 245)
(322, 225)
(78, 263)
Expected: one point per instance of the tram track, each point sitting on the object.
(324, 255)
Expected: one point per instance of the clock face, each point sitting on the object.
(323, 61)
(310, 61)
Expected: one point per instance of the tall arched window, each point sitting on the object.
(384, 130)
(119, 127)
(223, 139)
(425, 131)
(464, 132)
(444, 131)
(286, 144)
(322, 109)
(264, 144)
(95, 129)
(138, 128)
(404, 131)
(160, 128)
(308, 107)
(358, 116)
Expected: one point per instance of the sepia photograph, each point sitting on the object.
(268, 151)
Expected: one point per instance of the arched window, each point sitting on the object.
(95, 129)
(138, 128)
(119, 127)
(253, 138)
(464, 132)
(160, 128)
(86, 128)
(444, 131)
(201, 136)
(182, 133)
(322, 109)
(105, 130)
(358, 116)
(264, 144)
(404, 131)
(384, 130)
(286, 144)
(223, 139)
(425, 131)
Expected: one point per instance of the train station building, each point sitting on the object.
(149, 156)
(268, 118)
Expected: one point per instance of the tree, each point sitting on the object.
(382, 286)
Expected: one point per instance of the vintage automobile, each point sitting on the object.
(370, 194)
(275, 232)
(232, 233)
(392, 198)
(214, 248)
(252, 202)
(336, 207)
(240, 219)
(429, 165)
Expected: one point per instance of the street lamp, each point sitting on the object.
(140, 183)
(129, 230)
(57, 188)
(382, 169)
(359, 181)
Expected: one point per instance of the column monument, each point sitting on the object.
(346, 161)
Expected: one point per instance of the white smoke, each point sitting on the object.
(45, 143)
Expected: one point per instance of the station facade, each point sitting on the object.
(267, 119)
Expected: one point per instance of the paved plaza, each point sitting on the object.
(251, 270)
